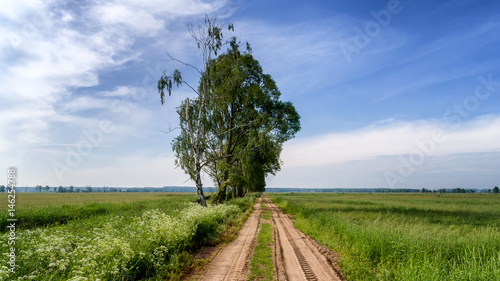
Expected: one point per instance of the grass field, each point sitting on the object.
(46, 209)
(27, 200)
(112, 237)
(404, 236)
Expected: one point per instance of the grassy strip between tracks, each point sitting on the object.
(404, 237)
(261, 266)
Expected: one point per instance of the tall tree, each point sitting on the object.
(190, 152)
(249, 171)
(246, 122)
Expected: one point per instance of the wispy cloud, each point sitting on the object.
(392, 138)
(68, 66)
(49, 51)
(119, 91)
(465, 170)
(126, 171)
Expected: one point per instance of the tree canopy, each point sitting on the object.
(240, 120)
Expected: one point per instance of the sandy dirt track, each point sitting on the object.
(296, 256)
(231, 263)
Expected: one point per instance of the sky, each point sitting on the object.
(392, 94)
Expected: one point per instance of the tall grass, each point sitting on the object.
(404, 237)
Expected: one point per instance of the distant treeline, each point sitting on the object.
(88, 189)
(384, 190)
(72, 189)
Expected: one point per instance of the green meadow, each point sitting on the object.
(404, 236)
(113, 236)
(49, 209)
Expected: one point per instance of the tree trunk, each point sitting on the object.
(196, 149)
(199, 184)
(199, 191)
(220, 197)
(240, 192)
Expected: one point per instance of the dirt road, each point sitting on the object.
(231, 263)
(296, 256)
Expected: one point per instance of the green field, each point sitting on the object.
(46, 209)
(404, 236)
(111, 236)
(26, 200)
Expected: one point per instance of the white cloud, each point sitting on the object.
(466, 170)
(14, 10)
(392, 138)
(48, 51)
(119, 91)
(176, 7)
(85, 103)
(138, 21)
(22, 125)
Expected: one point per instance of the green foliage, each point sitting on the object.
(155, 242)
(246, 123)
(404, 237)
(235, 126)
(495, 190)
(191, 151)
(246, 202)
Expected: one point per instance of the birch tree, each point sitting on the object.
(189, 146)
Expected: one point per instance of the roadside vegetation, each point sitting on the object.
(155, 242)
(404, 236)
(39, 210)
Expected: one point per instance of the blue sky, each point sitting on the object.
(391, 93)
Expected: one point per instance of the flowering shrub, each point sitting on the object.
(143, 246)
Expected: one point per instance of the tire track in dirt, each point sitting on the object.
(231, 263)
(296, 255)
